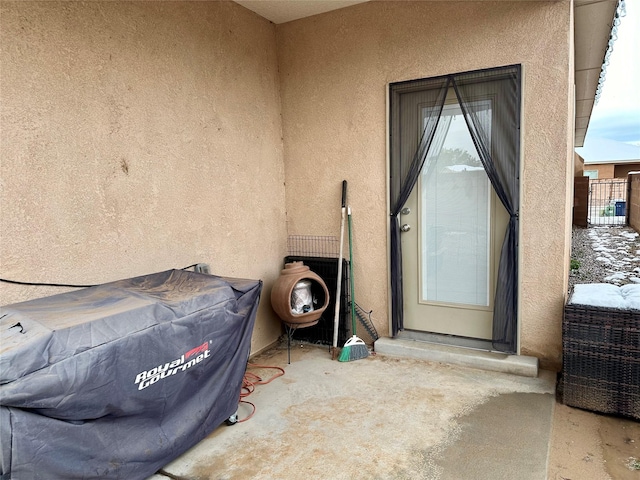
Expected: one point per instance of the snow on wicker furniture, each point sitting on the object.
(601, 349)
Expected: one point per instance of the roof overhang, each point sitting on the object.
(616, 162)
(593, 22)
(592, 18)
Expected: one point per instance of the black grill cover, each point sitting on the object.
(117, 380)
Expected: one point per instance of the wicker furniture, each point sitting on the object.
(601, 359)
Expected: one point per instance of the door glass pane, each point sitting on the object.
(455, 200)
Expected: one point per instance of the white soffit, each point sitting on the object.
(282, 11)
(593, 21)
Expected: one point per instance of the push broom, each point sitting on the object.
(354, 348)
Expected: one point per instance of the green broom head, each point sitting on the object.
(354, 349)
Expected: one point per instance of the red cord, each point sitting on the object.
(249, 382)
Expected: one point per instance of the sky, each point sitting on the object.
(616, 116)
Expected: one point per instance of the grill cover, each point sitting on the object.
(117, 380)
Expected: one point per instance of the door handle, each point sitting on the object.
(406, 227)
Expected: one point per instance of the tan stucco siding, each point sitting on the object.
(605, 170)
(139, 137)
(578, 166)
(613, 170)
(622, 171)
(555, 328)
(335, 69)
(142, 136)
(633, 202)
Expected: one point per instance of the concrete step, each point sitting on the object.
(496, 362)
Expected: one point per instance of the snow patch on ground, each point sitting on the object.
(603, 259)
(615, 277)
(617, 249)
(629, 235)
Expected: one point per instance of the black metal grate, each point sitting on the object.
(327, 269)
(608, 201)
(313, 246)
(601, 359)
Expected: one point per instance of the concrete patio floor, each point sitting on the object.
(386, 417)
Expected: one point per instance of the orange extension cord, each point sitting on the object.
(249, 382)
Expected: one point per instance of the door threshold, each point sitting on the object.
(522, 365)
(442, 339)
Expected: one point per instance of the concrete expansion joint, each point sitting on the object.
(522, 365)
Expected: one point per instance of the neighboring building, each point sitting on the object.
(611, 169)
(578, 165)
(634, 202)
(142, 136)
(580, 193)
(605, 159)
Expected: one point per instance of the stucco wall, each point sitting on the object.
(578, 166)
(622, 171)
(633, 202)
(605, 170)
(613, 170)
(138, 137)
(334, 71)
(141, 136)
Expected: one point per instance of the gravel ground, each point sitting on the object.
(605, 255)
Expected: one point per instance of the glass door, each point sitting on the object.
(452, 220)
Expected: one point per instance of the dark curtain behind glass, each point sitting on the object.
(498, 146)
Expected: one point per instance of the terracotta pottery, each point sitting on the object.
(282, 292)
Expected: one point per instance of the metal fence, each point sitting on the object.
(607, 202)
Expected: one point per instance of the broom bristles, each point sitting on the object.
(354, 349)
